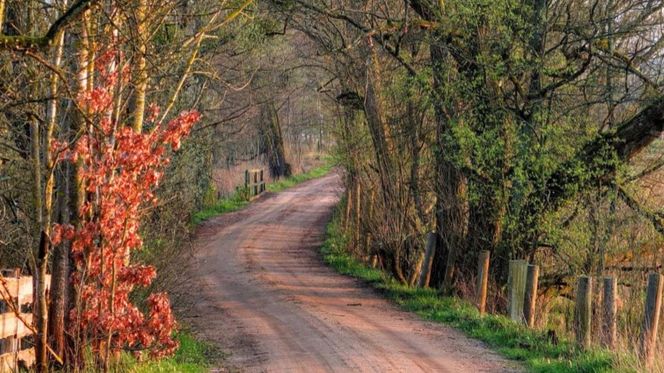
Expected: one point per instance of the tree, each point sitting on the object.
(503, 78)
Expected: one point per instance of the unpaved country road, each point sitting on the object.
(263, 294)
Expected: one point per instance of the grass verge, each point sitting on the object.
(289, 182)
(224, 205)
(193, 356)
(516, 342)
(238, 200)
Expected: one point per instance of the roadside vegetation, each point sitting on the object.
(531, 347)
(240, 197)
(193, 356)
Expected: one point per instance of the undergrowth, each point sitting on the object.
(530, 347)
(193, 356)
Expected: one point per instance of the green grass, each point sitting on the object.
(516, 342)
(224, 205)
(239, 199)
(193, 356)
(289, 182)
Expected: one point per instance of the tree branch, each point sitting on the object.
(22, 42)
(595, 161)
(655, 219)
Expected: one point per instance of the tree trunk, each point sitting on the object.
(60, 268)
(75, 180)
(273, 142)
(451, 187)
(378, 128)
(140, 73)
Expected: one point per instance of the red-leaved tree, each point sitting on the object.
(120, 170)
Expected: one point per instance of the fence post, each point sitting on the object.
(609, 314)
(429, 250)
(532, 282)
(516, 283)
(651, 317)
(255, 174)
(246, 182)
(482, 279)
(583, 311)
(262, 182)
(358, 216)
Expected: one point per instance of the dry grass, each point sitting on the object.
(227, 179)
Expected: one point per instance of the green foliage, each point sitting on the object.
(516, 342)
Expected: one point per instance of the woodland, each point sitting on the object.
(531, 129)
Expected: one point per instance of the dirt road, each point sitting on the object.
(263, 294)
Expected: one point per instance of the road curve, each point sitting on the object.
(263, 294)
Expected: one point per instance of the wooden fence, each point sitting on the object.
(16, 294)
(254, 182)
(522, 298)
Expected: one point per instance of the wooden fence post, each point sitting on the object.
(482, 280)
(255, 174)
(583, 311)
(358, 217)
(532, 282)
(247, 181)
(516, 283)
(651, 317)
(609, 313)
(425, 271)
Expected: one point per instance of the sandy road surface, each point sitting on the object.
(263, 294)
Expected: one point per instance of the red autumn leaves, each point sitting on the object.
(120, 170)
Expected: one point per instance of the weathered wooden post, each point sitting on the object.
(482, 279)
(262, 182)
(358, 216)
(651, 317)
(583, 311)
(516, 283)
(247, 181)
(255, 174)
(609, 313)
(429, 250)
(532, 282)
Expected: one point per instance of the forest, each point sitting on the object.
(461, 129)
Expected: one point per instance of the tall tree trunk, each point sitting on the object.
(378, 128)
(451, 186)
(140, 73)
(414, 182)
(60, 268)
(273, 141)
(77, 185)
(41, 257)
